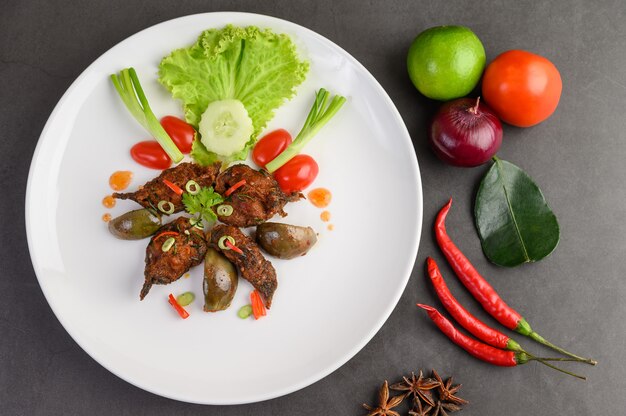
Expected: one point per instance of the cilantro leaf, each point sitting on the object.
(202, 202)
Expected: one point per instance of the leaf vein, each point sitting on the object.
(509, 205)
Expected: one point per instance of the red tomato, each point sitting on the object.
(523, 88)
(181, 133)
(151, 155)
(270, 146)
(297, 174)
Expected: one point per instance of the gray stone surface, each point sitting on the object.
(576, 296)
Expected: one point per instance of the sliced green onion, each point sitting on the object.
(222, 242)
(166, 207)
(245, 311)
(196, 222)
(130, 91)
(192, 187)
(225, 210)
(185, 299)
(169, 243)
(320, 114)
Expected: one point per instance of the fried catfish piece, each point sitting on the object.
(156, 190)
(188, 250)
(255, 202)
(251, 264)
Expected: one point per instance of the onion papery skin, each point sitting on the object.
(464, 134)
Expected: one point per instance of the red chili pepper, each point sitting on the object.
(258, 308)
(476, 348)
(165, 233)
(468, 321)
(483, 292)
(482, 351)
(233, 247)
(181, 311)
(255, 306)
(262, 307)
(175, 188)
(261, 303)
(471, 279)
(235, 187)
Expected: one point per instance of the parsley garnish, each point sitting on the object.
(202, 202)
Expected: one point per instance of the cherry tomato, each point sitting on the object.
(270, 146)
(523, 88)
(151, 155)
(180, 131)
(297, 174)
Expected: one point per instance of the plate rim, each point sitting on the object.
(323, 372)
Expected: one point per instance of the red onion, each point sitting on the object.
(465, 132)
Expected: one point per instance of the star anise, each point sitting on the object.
(419, 410)
(385, 404)
(419, 387)
(443, 408)
(447, 392)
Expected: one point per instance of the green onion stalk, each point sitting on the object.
(130, 91)
(322, 111)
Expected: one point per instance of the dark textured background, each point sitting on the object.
(574, 297)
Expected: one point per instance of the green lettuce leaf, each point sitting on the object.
(204, 157)
(258, 67)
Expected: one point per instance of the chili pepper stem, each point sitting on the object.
(535, 336)
(512, 345)
(559, 369)
(524, 357)
(569, 360)
(533, 357)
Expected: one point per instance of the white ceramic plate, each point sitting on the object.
(329, 303)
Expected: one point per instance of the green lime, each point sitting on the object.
(446, 62)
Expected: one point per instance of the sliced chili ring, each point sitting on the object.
(235, 187)
(175, 188)
(181, 311)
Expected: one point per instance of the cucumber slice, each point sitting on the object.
(225, 127)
